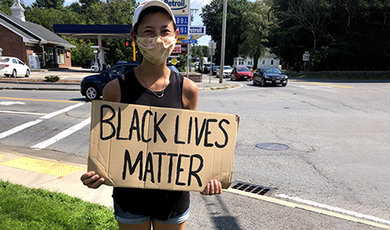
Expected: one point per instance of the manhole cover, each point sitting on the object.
(272, 146)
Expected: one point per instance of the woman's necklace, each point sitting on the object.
(159, 94)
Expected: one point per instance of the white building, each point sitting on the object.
(268, 60)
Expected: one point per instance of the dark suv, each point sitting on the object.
(92, 86)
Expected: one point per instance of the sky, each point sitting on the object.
(195, 4)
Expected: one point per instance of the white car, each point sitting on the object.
(227, 71)
(11, 66)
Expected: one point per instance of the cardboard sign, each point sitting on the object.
(161, 148)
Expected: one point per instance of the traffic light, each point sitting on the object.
(127, 43)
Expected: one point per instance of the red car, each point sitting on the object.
(241, 73)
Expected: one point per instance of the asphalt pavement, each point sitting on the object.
(57, 174)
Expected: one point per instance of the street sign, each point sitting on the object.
(174, 61)
(178, 7)
(181, 37)
(200, 30)
(189, 41)
(181, 20)
(180, 49)
(183, 30)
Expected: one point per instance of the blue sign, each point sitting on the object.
(181, 20)
(201, 30)
(190, 41)
(183, 30)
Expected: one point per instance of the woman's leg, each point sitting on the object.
(141, 226)
(162, 226)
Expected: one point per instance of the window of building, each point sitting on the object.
(263, 62)
(272, 62)
(60, 55)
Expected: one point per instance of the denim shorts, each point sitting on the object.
(129, 218)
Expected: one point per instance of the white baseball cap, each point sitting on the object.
(148, 3)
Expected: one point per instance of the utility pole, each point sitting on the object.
(188, 38)
(223, 41)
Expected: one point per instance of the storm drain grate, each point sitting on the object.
(252, 188)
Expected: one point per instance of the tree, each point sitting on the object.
(256, 26)
(5, 6)
(212, 19)
(49, 4)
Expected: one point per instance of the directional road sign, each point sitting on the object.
(201, 30)
(189, 41)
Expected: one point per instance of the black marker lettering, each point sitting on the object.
(207, 133)
(135, 126)
(224, 133)
(177, 131)
(143, 126)
(149, 167)
(118, 128)
(171, 155)
(132, 167)
(179, 169)
(160, 154)
(198, 133)
(108, 121)
(195, 173)
(189, 130)
(157, 129)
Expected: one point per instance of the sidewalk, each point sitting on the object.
(70, 81)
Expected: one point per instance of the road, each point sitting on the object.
(335, 137)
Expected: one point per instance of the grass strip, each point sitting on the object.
(25, 208)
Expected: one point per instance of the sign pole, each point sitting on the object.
(223, 41)
(189, 44)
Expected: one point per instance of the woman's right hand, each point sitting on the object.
(91, 179)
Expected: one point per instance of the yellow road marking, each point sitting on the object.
(32, 99)
(309, 208)
(324, 84)
(42, 166)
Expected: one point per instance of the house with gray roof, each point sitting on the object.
(32, 43)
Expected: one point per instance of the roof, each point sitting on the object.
(92, 31)
(31, 32)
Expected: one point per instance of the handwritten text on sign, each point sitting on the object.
(153, 147)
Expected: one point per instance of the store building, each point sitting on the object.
(32, 43)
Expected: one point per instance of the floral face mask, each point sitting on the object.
(156, 49)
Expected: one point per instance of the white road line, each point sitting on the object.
(24, 113)
(335, 209)
(61, 135)
(39, 120)
(12, 103)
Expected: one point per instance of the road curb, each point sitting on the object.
(38, 88)
(39, 83)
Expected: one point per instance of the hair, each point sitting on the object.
(151, 10)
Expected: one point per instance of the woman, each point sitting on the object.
(152, 83)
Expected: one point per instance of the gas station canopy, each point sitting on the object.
(93, 31)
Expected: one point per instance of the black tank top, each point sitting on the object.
(159, 204)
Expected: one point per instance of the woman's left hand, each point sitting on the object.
(213, 187)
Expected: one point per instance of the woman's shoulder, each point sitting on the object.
(112, 91)
(190, 94)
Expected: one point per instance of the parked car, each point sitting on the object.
(227, 71)
(206, 68)
(215, 68)
(13, 67)
(92, 86)
(241, 73)
(269, 76)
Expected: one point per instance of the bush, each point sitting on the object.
(52, 78)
